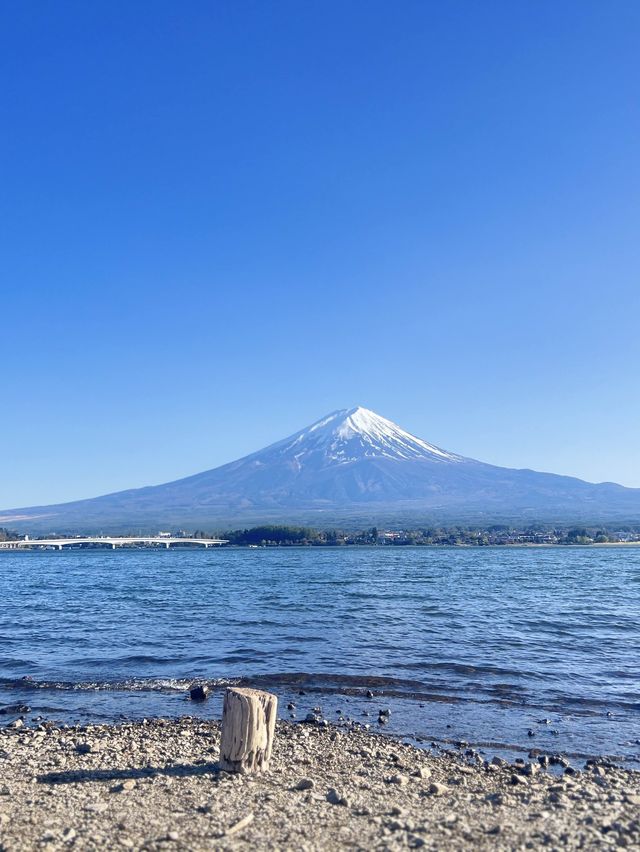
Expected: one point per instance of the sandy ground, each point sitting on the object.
(155, 785)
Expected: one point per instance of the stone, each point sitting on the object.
(336, 798)
(96, 807)
(129, 784)
(399, 780)
(305, 784)
(437, 789)
(423, 772)
(199, 692)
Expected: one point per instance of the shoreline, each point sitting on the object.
(196, 548)
(155, 785)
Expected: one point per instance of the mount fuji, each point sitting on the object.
(352, 465)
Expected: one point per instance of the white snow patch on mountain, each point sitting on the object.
(352, 434)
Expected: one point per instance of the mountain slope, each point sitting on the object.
(351, 464)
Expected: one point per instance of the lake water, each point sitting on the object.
(480, 645)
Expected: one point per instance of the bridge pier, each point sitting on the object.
(167, 544)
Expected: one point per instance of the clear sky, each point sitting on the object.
(222, 220)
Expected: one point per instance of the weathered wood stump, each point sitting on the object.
(248, 727)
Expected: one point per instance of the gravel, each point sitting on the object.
(155, 785)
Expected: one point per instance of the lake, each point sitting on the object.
(507, 649)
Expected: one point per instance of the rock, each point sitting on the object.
(336, 798)
(17, 723)
(517, 779)
(84, 748)
(423, 772)
(68, 835)
(291, 706)
(129, 784)
(399, 780)
(199, 693)
(437, 789)
(305, 784)
(498, 761)
(311, 717)
(369, 694)
(385, 712)
(531, 769)
(96, 807)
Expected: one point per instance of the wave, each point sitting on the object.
(336, 683)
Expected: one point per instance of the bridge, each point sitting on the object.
(113, 542)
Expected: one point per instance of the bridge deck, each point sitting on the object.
(110, 541)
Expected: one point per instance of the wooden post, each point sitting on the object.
(248, 727)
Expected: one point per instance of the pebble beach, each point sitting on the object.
(155, 785)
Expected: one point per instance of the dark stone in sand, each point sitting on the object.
(335, 798)
(199, 693)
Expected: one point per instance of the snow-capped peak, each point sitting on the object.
(355, 433)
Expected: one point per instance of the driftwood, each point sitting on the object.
(248, 727)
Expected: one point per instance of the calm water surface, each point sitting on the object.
(483, 645)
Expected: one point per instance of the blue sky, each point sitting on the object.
(222, 220)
